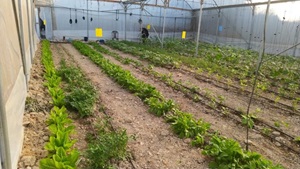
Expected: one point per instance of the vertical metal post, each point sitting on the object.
(21, 42)
(5, 155)
(259, 63)
(174, 29)
(141, 10)
(218, 23)
(30, 31)
(87, 19)
(296, 40)
(199, 26)
(252, 27)
(33, 22)
(164, 24)
(125, 9)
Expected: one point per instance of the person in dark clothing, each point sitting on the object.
(42, 29)
(145, 34)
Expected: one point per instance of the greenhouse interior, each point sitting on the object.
(150, 84)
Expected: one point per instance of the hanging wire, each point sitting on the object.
(76, 16)
(83, 17)
(98, 12)
(70, 21)
(117, 15)
(259, 64)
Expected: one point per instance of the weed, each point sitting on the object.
(106, 146)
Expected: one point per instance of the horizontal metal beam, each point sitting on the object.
(152, 5)
(245, 5)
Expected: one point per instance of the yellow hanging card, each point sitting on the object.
(148, 26)
(183, 35)
(99, 32)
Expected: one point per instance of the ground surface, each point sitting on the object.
(155, 145)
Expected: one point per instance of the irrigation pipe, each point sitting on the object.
(259, 63)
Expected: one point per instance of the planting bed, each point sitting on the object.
(175, 87)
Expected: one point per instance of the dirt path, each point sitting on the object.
(225, 126)
(155, 146)
(37, 107)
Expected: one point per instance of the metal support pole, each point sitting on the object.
(199, 26)
(296, 39)
(259, 63)
(174, 29)
(21, 43)
(87, 19)
(5, 154)
(33, 23)
(141, 21)
(218, 23)
(125, 9)
(252, 27)
(164, 24)
(30, 31)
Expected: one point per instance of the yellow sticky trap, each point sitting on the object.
(183, 35)
(148, 26)
(44, 22)
(99, 32)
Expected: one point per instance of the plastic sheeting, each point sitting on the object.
(243, 27)
(13, 80)
(111, 17)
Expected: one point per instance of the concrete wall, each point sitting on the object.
(17, 46)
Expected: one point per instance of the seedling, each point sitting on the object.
(248, 120)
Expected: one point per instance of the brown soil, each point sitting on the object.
(232, 130)
(155, 145)
(36, 113)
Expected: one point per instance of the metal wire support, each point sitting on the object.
(259, 63)
(199, 26)
(164, 23)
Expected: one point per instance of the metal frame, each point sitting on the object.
(245, 5)
(133, 3)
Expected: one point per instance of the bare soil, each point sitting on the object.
(227, 127)
(155, 146)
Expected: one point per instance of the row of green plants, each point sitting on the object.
(226, 153)
(80, 93)
(283, 69)
(106, 146)
(155, 58)
(235, 64)
(215, 102)
(61, 154)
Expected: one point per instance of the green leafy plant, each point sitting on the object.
(228, 154)
(248, 120)
(60, 160)
(185, 126)
(57, 95)
(82, 95)
(106, 146)
(266, 131)
(277, 124)
(159, 107)
(61, 155)
(297, 139)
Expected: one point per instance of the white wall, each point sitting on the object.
(108, 20)
(15, 62)
(237, 24)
